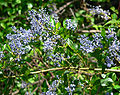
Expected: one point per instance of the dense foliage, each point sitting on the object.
(56, 49)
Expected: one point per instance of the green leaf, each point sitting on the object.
(4, 47)
(115, 68)
(114, 77)
(114, 16)
(1, 34)
(27, 72)
(29, 5)
(113, 21)
(8, 48)
(81, 11)
(10, 23)
(72, 45)
(92, 20)
(18, 1)
(66, 72)
(38, 51)
(105, 82)
(114, 10)
(95, 26)
(103, 75)
(3, 25)
(103, 32)
(118, 33)
(64, 25)
(19, 12)
(117, 87)
(4, 3)
(31, 53)
(31, 80)
(58, 25)
(19, 84)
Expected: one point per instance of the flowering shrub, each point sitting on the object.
(52, 58)
(97, 10)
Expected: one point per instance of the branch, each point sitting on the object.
(16, 92)
(92, 31)
(66, 68)
(64, 6)
(72, 13)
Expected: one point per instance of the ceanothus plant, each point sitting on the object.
(113, 48)
(55, 63)
(97, 10)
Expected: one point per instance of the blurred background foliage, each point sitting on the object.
(14, 12)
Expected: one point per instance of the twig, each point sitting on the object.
(67, 68)
(39, 83)
(36, 64)
(47, 83)
(64, 68)
(64, 6)
(14, 93)
(72, 13)
(29, 64)
(34, 90)
(41, 60)
(92, 31)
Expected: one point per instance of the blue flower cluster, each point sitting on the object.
(1, 55)
(50, 42)
(42, 28)
(42, 24)
(19, 42)
(113, 50)
(90, 45)
(53, 87)
(97, 10)
(70, 89)
(24, 84)
(109, 93)
(56, 58)
(109, 61)
(71, 25)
